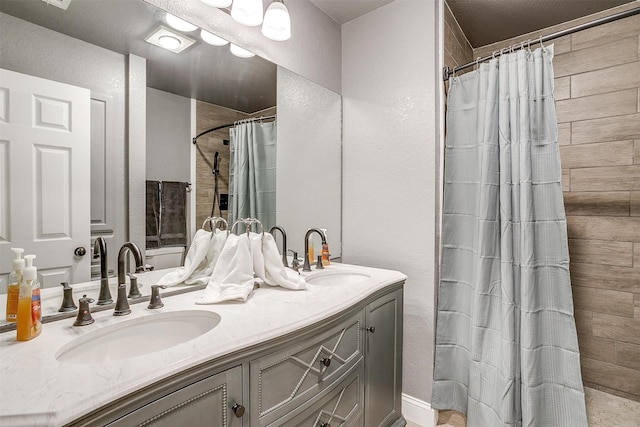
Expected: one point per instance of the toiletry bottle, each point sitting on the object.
(29, 324)
(325, 249)
(15, 278)
(312, 258)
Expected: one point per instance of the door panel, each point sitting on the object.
(45, 177)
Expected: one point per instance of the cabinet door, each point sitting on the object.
(208, 402)
(383, 360)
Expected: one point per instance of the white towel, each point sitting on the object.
(201, 276)
(232, 277)
(276, 274)
(194, 260)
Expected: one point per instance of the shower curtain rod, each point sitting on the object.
(448, 72)
(228, 125)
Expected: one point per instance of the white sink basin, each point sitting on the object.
(337, 278)
(137, 337)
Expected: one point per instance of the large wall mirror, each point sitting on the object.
(88, 46)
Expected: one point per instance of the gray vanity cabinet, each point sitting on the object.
(208, 402)
(283, 380)
(343, 371)
(383, 360)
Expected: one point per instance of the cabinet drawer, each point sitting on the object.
(283, 380)
(341, 407)
(207, 402)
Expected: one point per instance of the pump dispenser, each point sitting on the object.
(15, 278)
(29, 324)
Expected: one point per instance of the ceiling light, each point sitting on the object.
(169, 42)
(247, 12)
(240, 52)
(217, 3)
(169, 39)
(179, 24)
(212, 38)
(277, 24)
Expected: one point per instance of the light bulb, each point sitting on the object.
(217, 3)
(277, 23)
(179, 24)
(247, 12)
(169, 42)
(240, 52)
(212, 38)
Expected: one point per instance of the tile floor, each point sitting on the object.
(603, 410)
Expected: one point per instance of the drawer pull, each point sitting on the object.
(325, 425)
(326, 362)
(238, 410)
(371, 329)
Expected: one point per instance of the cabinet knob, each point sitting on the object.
(371, 329)
(325, 425)
(238, 410)
(325, 361)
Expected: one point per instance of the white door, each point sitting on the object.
(45, 176)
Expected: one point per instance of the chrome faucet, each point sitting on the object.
(100, 250)
(306, 266)
(284, 243)
(122, 305)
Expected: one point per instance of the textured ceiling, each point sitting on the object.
(208, 73)
(489, 21)
(343, 11)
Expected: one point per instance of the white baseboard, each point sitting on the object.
(418, 411)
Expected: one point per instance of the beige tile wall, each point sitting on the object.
(597, 91)
(209, 116)
(457, 50)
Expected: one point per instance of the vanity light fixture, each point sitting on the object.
(217, 3)
(240, 52)
(212, 39)
(247, 12)
(179, 24)
(168, 39)
(277, 23)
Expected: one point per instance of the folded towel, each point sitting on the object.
(275, 273)
(232, 276)
(195, 259)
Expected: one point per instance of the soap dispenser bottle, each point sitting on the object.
(29, 324)
(13, 290)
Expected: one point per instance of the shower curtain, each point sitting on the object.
(506, 343)
(252, 172)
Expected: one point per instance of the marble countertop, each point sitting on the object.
(38, 390)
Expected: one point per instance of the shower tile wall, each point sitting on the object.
(209, 116)
(597, 91)
(457, 50)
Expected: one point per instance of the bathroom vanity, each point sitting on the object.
(327, 356)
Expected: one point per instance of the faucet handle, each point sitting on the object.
(134, 292)
(295, 264)
(84, 314)
(155, 301)
(319, 265)
(67, 298)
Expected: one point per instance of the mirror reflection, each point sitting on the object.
(89, 46)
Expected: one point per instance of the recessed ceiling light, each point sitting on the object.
(170, 40)
(212, 38)
(240, 52)
(62, 4)
(180, 24)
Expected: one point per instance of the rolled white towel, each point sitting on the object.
(216, 243)
(276, 274)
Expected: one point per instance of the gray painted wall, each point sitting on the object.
(168, 136)
(309, 161)
(389, 137)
